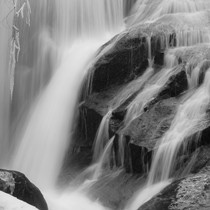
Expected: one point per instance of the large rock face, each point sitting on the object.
(17, 185)
(116, 77)
(122, 72)
(171, 41)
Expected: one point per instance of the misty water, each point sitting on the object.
(47, 48)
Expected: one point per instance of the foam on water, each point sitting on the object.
(189, 21)
(47, 128)
(145, 194)
(56, 52)
(72, 200)
(190, 119)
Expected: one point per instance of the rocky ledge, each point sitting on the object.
(17, 184)
(189, 192)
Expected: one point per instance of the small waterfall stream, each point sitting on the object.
(191, 113)
(48, 124)
(57, 49)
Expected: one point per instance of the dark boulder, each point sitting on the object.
(18, 185)
(126, 59)
(127, 55)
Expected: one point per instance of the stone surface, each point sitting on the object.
(17, 185)
(146, 130)
(191, 192)
(116, 76)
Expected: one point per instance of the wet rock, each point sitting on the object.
(146, 130)
(17, 185)
(143, 132)
(126, 59)
(126, 56)
(191, 193)
(202, 159)
(176, 85)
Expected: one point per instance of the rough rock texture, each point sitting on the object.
(125, 57)
(117, 73)
(150, 126)
(8, 202)
(17, 185)
(192, 192)
(140, 137)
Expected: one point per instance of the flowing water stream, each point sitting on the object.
(56, 42)
(56, 51)
(191, 113)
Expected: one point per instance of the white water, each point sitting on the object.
(47, 127)
(56, 52)
(151, 89)
(190, 118)
(102, 136)
(148, 10)
(9, 202)
(75, 201)
(5, 37)
(145, 194)
(104, 159)
(190, 20)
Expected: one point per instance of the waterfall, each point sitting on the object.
(47, 127)
(6, 19)
(102, 136)
(56, 51)
(155, 84)
(190, 20)
(68, 41)
(190, 117)
(105, 157)
(57, 42)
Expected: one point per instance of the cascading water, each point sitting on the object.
(5, 36)
(190, 117)
(56, 51)
(191, 113)
(48, 124)
(102, 136)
